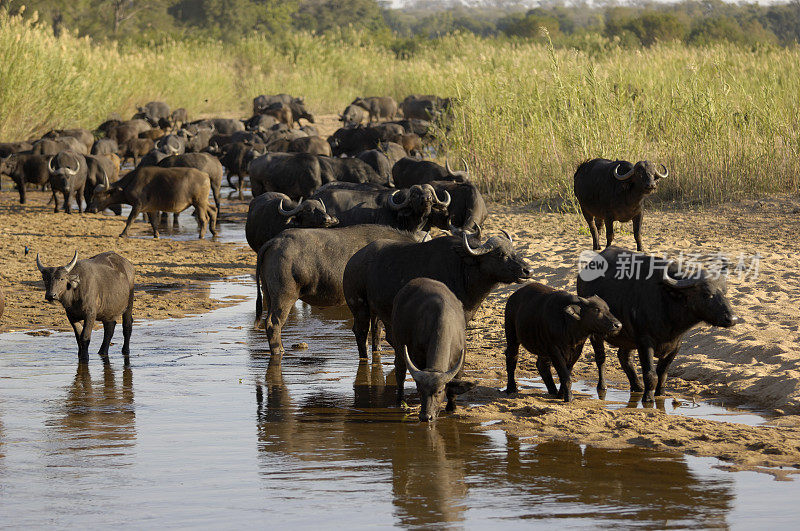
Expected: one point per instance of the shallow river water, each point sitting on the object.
(203, 431)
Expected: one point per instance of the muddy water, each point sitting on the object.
(203, 431)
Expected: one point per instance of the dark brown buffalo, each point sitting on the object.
(84, 136)
(353, 115)
(614, 190)
(429, 337)
(408, 172)
(9, 148)
(236, 159)
(49, 146)
(657, 306)
(99, 288)
(136, 148)
(152, 189)
(24, 169)
(307, 264)
(553, 325)
(271, 213)
(68, 172)
(103, 146)
(203, 162)
(125, 131)
(281, 112)
(376, 273)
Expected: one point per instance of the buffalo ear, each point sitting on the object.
(574, 311)
(460, 387)
(72, 282)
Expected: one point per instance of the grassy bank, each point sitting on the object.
(724, 119)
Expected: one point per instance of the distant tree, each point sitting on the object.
(324, 15)
(528, 26)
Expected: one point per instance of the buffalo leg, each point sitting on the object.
(661, 371)
(625, 362)
(599, 347)
(564, 377)
(240, 187)
(361, 319)
(648, 372)
(375, 332)
(131, 217)
(127, 328)
(593, 231)
(77, 327)
(79, 198)
(609, 231)
(154, 224)
(202, 218)
(215, 192)
(637, 231)
(175, 223)
(55, 200)
(67, 200)
(512, 355)
(108, 333)
(543, 366)
(212, 220)
(399, 372)
(278, 308)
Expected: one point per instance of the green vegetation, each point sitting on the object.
(724, 118)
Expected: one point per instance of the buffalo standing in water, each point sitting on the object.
(99, 288)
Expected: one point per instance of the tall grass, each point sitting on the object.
(724, 119)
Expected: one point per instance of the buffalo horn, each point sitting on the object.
(446, 201)
(39, 263)
(410, 364)
(678, 283)
(664, 174)
(72, 263)
(398, 206)
(624, 176)
(449, 375)
(469, 249)
(507, 235)
(292, 212)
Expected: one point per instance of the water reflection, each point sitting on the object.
(94, 418)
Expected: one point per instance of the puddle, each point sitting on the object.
(203, 431)
(619, 398)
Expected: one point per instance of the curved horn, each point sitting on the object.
(664, 174)
(39, 263)
(427, 237)
(105, 180)
(449, 375)
(292, 212)
(466, 167)
(446, 201)
(325, 210)
(624, 176)
(69, 171)
(398, 206)
(469, 249)
(410, 364)
(507, 235)
(50, 165)
(447, 166)
(678, 283)
(74, 261)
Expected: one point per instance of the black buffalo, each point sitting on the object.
(467, 209)
(353, 115)
(614, 190)
(307, 264)
(236, 159)
(406, 209)
(553, 325)
(376, 273)
(24, 169)
(99, 288)
(408, 172)
(429, 336)
(271, 213)
(656, 306)
(104, 146)
(379, 162)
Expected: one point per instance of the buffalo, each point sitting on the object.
(379, 162)
(236, 159)
(614, 190)
(98, 169)
(351, 141)
(9, 148)
(24, 169)
(467, 209)
(408, 172)
(135, 149)
(353, 115)
(262, 102)
(428, 321)
(83, 136)
(406, 209)
(270, 213)
(104, 146)
(309, 144)
(68, 171)
(200, 161)
(225, 126)
(49, 146)
(657, 305)
(260, 122)
(377, 107)
(99, 288)
(178, 117)
(172, 144)
(153, 112)
(307, 264)
(376, 273)
(153, 189)
(553, 325)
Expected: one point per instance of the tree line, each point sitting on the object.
(695, 22)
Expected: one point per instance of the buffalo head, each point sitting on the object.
(593, 315)
(497, 259)
(432, 385)
(58, 283)
(643, 175)
(310, 213)
(704, 295)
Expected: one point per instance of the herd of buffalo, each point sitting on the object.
(347, 220)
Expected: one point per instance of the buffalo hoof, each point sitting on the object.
(511, 390)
